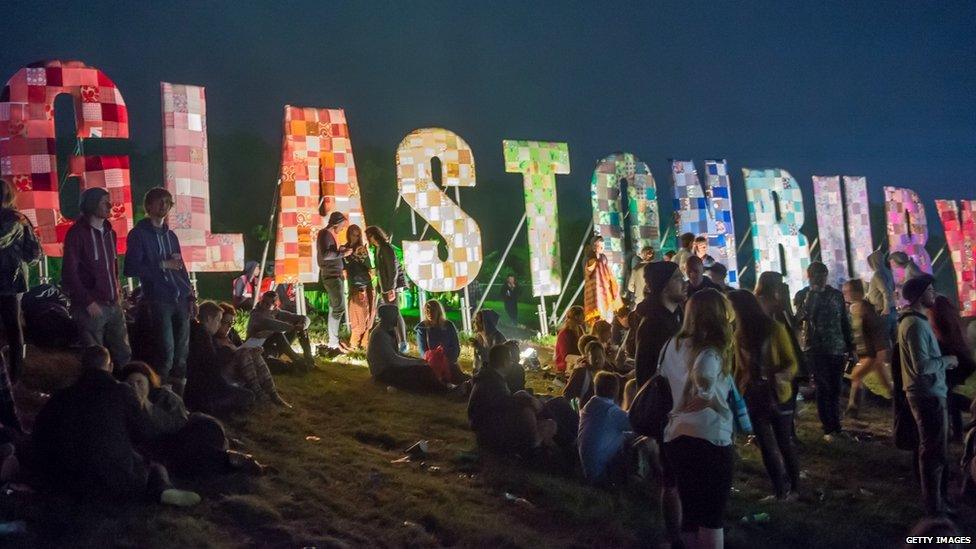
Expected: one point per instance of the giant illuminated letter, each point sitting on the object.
(908, 230)
(186, 170)
(707, 211)
(416, 184)
(642, 209)
(959, 223)
(317, 168)
(776, 214)
(834, 242)
(28, 155)
(539, 162)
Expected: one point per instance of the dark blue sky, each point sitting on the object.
(882, 89)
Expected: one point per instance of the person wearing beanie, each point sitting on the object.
(660, 315)
(923, 369)
(90, 277)
(826, 340)
(330, 256)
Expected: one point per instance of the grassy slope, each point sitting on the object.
(343, 490)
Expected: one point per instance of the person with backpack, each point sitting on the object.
(764, 370)
(18, 248)
(697, 364)
(90, 275)
(660, 315)
(923, 377)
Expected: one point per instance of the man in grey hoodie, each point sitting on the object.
(923, 373)
(388, 365)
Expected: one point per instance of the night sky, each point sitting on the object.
(881, 89)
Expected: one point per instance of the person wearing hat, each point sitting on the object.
(923, 372)
(90, 277)
(660, 315)
(330, 256)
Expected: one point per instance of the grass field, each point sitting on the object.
(334, 485)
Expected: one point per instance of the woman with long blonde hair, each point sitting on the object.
(434, 331)
(697, 363)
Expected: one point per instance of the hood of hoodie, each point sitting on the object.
(146, 224)
(389, 316)
(877, 260)
(489, 321)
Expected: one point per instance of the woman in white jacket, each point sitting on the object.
(698, 437)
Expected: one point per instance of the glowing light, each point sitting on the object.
(707, 210)
(186, 171)
(539, 162)
(28, 148)
(776, 239)
(416, 184)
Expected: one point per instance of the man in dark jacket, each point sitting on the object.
(85, 436)
(206, 389)
(330, 256)
(153, 256)
(90, 277)
(510, 296)
(826, 339)
(388, 365)
(697, 281)
(660, 315)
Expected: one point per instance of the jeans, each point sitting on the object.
(171, 338)
(108, 329)
(335, 289)
(932, 423)
(13, 332)
(774, 436)
(828, 373)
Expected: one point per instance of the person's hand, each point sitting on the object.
(94, 310)
(951, 361)
(390, 296)
(345, 251)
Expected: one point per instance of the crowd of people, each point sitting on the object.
(657, 377)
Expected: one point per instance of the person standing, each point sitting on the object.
(697, 281)
(90, 276)
(881, 291)
(362, 297)
(697, 364)
(153, 256)
(330, 257)
(635, 284)
(947, 326)
(18, 248)
(687, 241)
(923, 370)
(510, 295)
(827, 340)
(870, 342)
(391, 279)
(601, 294)
(660, 316)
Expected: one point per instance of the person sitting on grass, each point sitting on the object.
(503, 423)
(580, 384)
(206, 389)
(606, 439)
(244, 366)
(434, 331)
(191, 444)
(280, 329)
(486, 336)
(388, 365)
(515, 372)
(85, 437)
(567, 350)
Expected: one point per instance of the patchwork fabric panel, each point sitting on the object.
(959, 223)
(187, 175)
(28, 150)
(833, 241)
(908, 232)
(317, 167)
(417, 187)
(539, 162)
(707, 210)
(770, 232)
(642, 211)
(859, 240)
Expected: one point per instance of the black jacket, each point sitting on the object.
(388, 268)
(203, 378)
(657, 325)
(329, 257)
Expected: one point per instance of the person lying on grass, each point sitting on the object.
(244, 366)
(190, 444)
(85, 438)
(388, 365)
